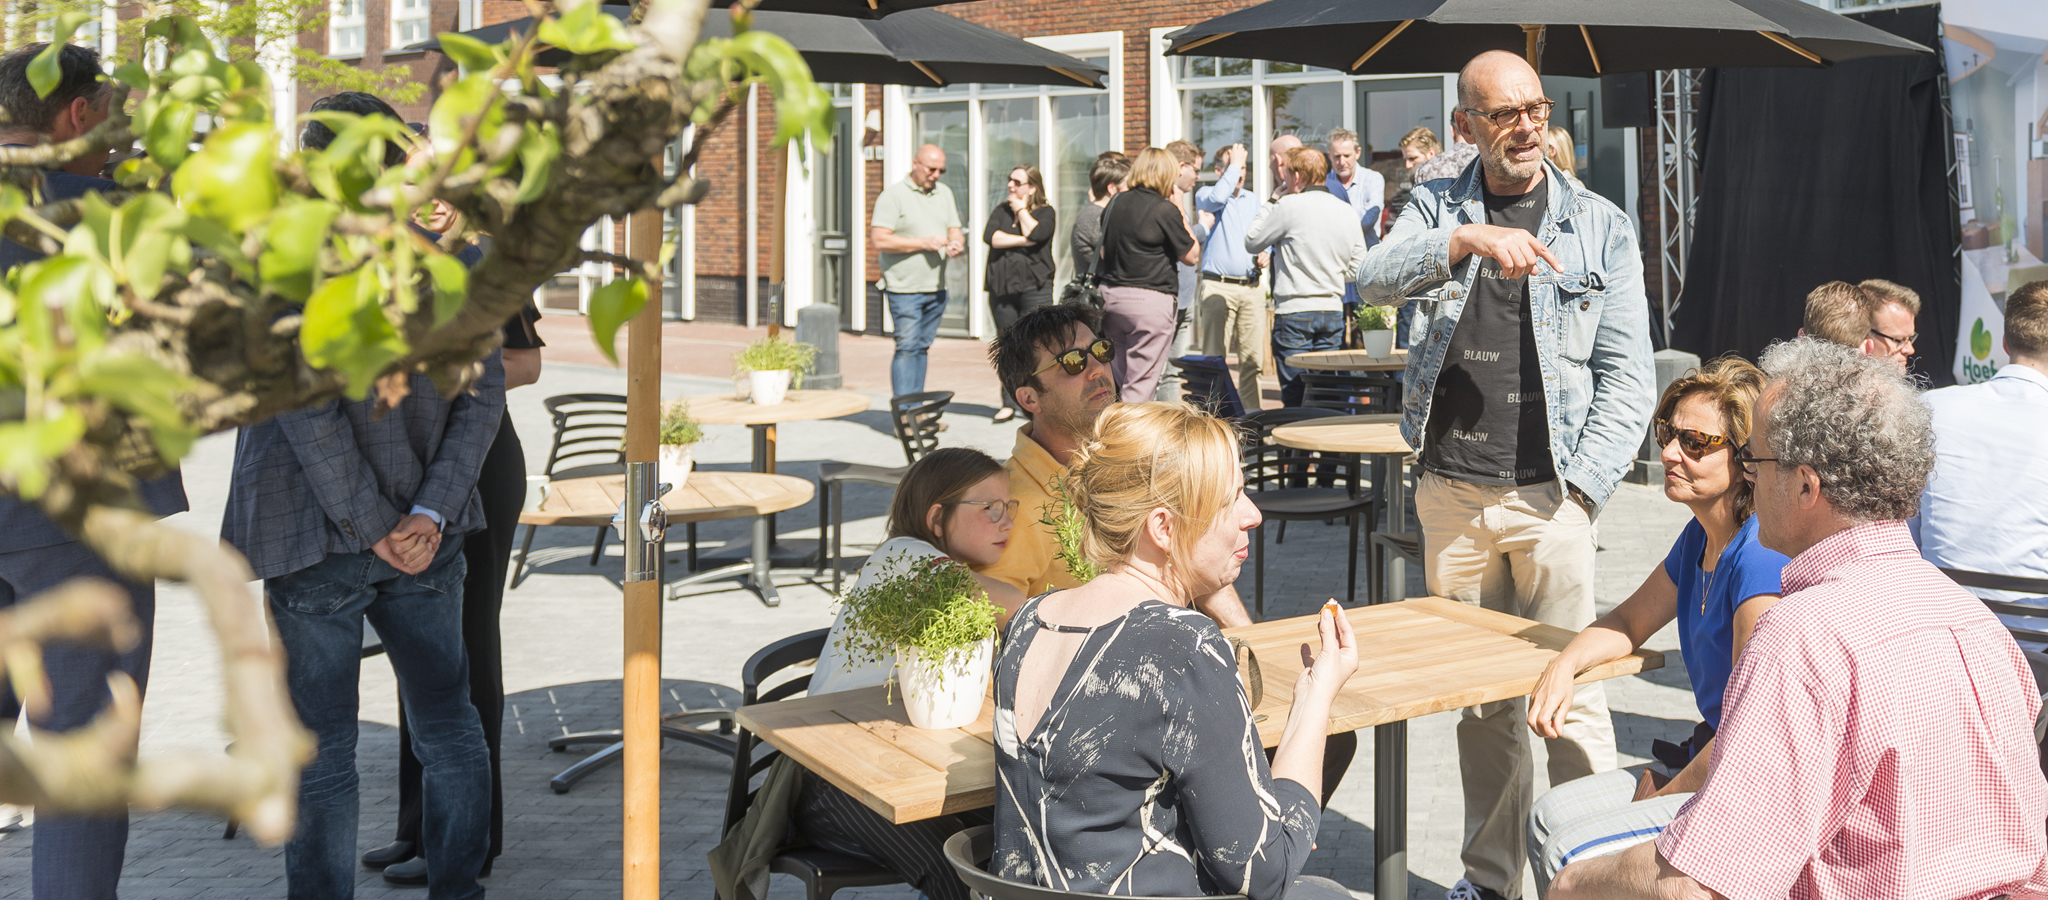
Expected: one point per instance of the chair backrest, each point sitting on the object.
(590, 429)
(916, 419)
(969, 851)
(1351, 393)
(1271, 467)
(795, 650)
(1206, 384)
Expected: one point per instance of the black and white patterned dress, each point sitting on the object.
(1145, 775)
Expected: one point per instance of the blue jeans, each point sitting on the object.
(1299, 333)
(917, 325)
(76, 857)
(320, 612)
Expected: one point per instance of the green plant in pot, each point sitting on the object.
(938, 624)
(679, 433)
(772, 365)
(1375, 326)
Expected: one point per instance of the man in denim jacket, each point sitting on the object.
(1528, 395)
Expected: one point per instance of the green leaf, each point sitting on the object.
(133, 75)
(291, 249)
(44, 72)
(169, 139)
(538, 151)
(471, 54)
(227, 245)
(230, 179)
(610, 307)
(800, 105)
(584, 31)
(462, 102)
(143, 387)
(345, 330)
(26, 449)
(52, 282)
(451, 285)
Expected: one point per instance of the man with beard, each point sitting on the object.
(1528, 395)
(1056, 366)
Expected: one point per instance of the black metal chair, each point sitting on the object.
(970, 850)
(590, 436)
(1207, 384)
(1270, 469)
(915, 418)
(823, 872)
(1257, 430)
(1351, 393)
(2031, 633)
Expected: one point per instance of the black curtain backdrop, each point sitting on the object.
(1816, 175)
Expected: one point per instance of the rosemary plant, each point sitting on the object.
(932, 605)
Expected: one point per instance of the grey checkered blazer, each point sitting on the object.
(333, 479)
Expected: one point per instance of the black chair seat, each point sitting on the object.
(1308, 503)
(825, 873)
(861, 473)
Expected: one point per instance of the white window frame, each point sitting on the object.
(337, 22)
(400, 17)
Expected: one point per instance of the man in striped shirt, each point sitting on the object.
(1877, 735)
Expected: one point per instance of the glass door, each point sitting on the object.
(945, 124)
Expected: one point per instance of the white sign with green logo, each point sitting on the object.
(1980, 342)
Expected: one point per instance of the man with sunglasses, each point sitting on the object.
(1527, 395)
(915, 229)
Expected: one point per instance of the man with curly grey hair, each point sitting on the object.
(1877, 733)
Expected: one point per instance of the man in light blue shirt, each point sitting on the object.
(1985, 508)
(1232, 304)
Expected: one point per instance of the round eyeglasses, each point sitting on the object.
(996, 510)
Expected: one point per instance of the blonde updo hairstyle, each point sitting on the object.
(1145, 456)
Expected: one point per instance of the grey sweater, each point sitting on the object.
(1315, 238)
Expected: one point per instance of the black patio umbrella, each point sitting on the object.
(1559, 37)
(919, 47)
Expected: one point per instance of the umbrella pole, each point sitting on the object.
(642, 688)
(1532, 45)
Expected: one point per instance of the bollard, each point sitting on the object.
(1671, 366)
(818, 326)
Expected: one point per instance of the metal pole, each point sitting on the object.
(1390, 810)
(641, 527)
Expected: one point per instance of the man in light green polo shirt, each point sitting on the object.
(915, 229)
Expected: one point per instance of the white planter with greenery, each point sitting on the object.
(773, 365)
(1375, 330)
(938, 623)
(679, 433)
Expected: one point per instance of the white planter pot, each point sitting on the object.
(948, 694)
(1377, 344)
(768, 388)
(674, 464)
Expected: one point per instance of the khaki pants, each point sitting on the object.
(1528, 552)
(1235, 314)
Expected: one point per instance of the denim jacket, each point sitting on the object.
(1592, 321)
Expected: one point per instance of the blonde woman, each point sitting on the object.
(1559, 149)
(1144, 233)
(1127, 761)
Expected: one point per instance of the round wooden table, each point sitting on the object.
(798, 406)
(1377, 436)
(1348, 361)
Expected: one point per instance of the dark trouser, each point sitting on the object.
(830, 819)
(1300, 333)
(320, 612)
(486, 554)
(75, 857)
(1006, 309)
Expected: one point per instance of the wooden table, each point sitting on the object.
(1416, 657)
(1377, 435)
(799, 406)
(1348, 361)
(704, 497)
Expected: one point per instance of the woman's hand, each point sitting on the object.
(1327, 671)
(1551, 699)
(1016, 202)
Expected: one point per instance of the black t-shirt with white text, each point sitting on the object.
(1488, 421)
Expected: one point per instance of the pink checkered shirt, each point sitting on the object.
(1876, 741)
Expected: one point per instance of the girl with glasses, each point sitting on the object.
(955, 503)
(1020, 265)
(1716, 582)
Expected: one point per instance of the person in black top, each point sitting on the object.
(1020, 265)
(1144, 233)
(1105, 180)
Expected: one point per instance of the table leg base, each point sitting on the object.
(615, 738)
(754, 572)
(1390, 810)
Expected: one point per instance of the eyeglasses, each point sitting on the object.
(1018, 182)
(941, 170)
(1896, 341)
(1075, 359)
(996, 510)
(1538, 113)
(1694, 442)
(1748, 462)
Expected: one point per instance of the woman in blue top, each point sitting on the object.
(1716, 582)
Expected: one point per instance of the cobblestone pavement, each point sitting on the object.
(562, 639)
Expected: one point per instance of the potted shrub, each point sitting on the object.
(772, 365)
(938, 622)
(679, 432)
(1375, 330)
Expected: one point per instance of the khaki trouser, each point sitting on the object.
(1235, 314)
(1528, 552)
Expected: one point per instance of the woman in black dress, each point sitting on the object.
(1020, 265)
(1127, 760)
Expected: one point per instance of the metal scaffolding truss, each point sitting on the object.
(1677, 176)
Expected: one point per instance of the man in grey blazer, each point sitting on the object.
(349, 512)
